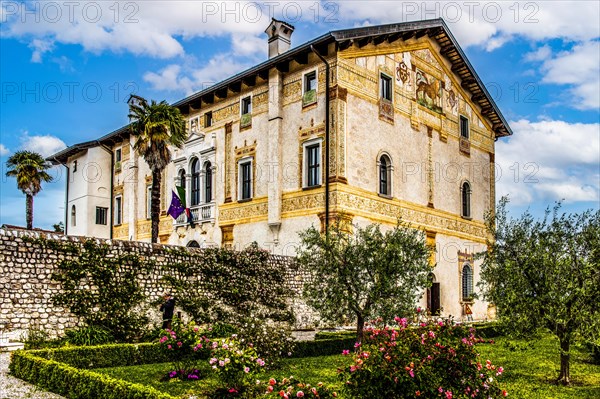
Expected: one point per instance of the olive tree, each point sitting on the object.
(364, 275)
(545, 274)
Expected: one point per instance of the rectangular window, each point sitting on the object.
(313, 164)
(208, 119)
(149, 202)
(310, 81)
(74, 166)
(386, 87)
(101, 215)
(118, 210)
(245, 176)
(118, 155)
(464, 127)
(246, 105)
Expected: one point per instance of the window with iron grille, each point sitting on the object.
(101, 215)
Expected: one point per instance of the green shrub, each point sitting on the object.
(322, 347)
(488, 330)
(289, 388)
(335, 335)
(116, 355)
(432, 360)
(75, 383)
(88, 336)
(39, 339)
(272, 341)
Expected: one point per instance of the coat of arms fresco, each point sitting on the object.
(428, 91)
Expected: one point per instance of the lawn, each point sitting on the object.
(311, 370)
(530, 367)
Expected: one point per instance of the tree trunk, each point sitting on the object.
(155, 205)
(29, 211)
(360, 327)
(565, 357)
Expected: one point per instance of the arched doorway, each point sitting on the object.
(193, 244)
(433, 296)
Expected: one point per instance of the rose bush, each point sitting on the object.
(273, 341)
(234, 363)
(186, 344)
(289, 388)
(433, 360)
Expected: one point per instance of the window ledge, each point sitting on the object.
(386, 196)
(244, 200)
(311, 187)
(466, 217)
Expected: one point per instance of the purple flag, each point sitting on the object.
(176, 207)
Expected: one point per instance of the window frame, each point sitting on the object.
(73, 216)
(386, 81)
(466, 282)
(465, 200)
(306, 168)
(463, 120)
(208, 119)
(118, 216)
(305, 81)
(388, 175)
(195, 184)
(246, 105)
(101, 215)
(208, 182)
(149, 201)
(241, 179)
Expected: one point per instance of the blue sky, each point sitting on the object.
(67, 68)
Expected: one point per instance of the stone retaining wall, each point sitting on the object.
(27, 288)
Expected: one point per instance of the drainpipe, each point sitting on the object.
(66, 194)
(326, 137)
(112, 176)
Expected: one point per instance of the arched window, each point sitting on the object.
(73, 216)
(385, 175)
(195, 182)
(193, 244)
(467, 282)
(207, 182)
(181, 176)
(466, 199)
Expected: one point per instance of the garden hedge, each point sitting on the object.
(75, 383)
(323, 347)
(66, 371)
(116, 355)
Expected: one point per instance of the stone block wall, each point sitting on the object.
(27, 288)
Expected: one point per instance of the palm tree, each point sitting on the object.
(156, 125)
(30, 170)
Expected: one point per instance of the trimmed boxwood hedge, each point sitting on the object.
(75, 383)
(66, 371)
(323, 347)
(116, 355)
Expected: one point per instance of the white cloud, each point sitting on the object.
(579, 68)
(190, 80)
(40, 47)
(3, 150)
(541, 54)
(160, 28)
(549, 160)
(45, 145)
(488, 23)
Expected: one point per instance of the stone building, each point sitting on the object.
(367, 125)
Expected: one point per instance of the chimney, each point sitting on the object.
(280, 34)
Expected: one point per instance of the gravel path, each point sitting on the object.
(14, 388)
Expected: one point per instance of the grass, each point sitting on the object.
(530, 369)
(311, 370)
(532, 366)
